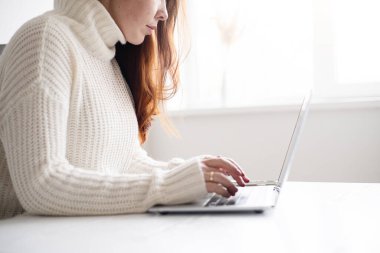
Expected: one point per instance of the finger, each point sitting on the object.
(218, 189)
(224, 172)
(228, 167)
(224, 164)
(209, 169)
(219, 178)
(245, 178)
(239, 179)
(234, 163)
(206, 169)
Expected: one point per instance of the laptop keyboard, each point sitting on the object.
(258, 194)
(218, 200)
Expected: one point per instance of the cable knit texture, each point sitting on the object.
(69, 134)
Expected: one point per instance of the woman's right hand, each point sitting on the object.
(216, 170)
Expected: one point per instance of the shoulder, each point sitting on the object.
(43, 40)
(49, 28)
(40, 54)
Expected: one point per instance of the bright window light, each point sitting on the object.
(251, 52)
(244, 52)
(356, 26)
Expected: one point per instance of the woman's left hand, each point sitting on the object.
(216, 169)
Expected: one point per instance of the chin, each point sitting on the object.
(137, 42)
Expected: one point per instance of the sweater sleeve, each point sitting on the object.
(141, 161)
(35, 97)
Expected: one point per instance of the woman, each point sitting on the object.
(71, 128)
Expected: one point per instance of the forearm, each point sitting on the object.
(58, 188)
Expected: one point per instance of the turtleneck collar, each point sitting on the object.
(94, 26)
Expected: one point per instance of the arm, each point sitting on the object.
(33, 129)
(142, 162)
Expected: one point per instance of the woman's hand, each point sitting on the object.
(216, 170)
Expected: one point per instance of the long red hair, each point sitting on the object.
(147, 68)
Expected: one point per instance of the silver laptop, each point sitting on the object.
(254, 197)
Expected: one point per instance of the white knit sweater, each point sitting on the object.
(69, 134)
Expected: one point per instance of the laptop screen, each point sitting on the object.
(294, 140)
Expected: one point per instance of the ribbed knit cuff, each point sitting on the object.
(182, 184)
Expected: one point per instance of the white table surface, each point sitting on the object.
(310, 217)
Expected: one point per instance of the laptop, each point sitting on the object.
(257, 196)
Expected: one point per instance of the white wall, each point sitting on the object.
(339, 143)
(14, 13)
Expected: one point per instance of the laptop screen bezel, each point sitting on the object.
(285, 170)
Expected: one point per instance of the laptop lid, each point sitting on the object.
(294, 140)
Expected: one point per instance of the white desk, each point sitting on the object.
(310, 217)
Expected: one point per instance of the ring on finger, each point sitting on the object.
(211, 179)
